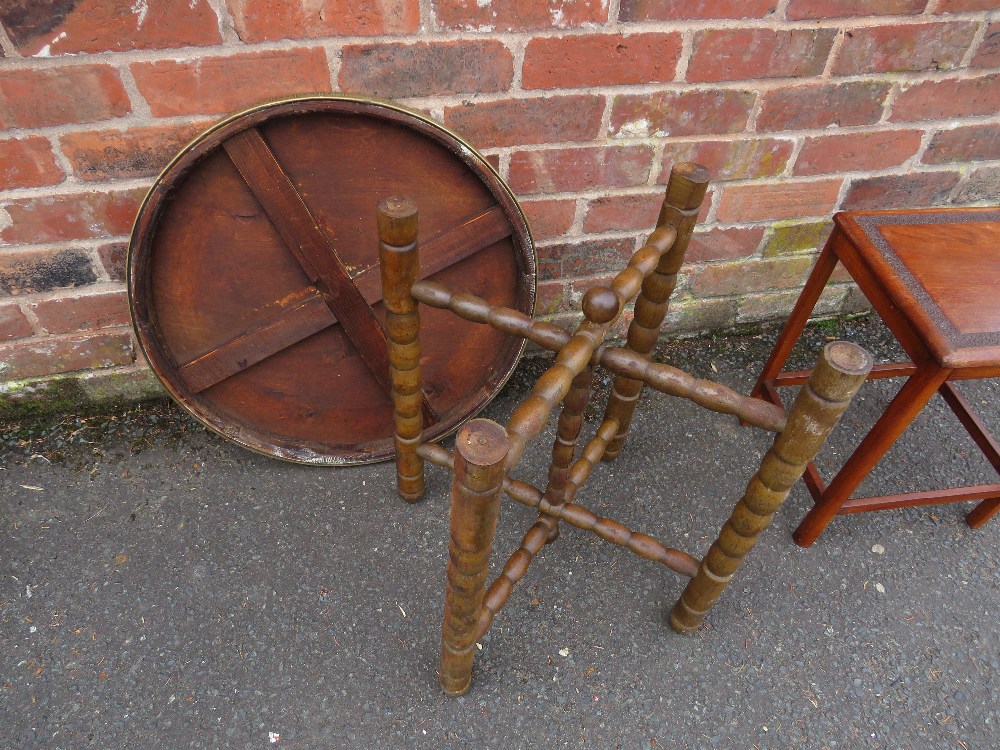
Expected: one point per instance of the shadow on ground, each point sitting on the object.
(164, 589)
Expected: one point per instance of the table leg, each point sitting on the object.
(815, 284)
(910, 400)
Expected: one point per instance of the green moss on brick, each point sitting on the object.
(794, 237)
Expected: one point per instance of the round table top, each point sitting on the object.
(254, 282)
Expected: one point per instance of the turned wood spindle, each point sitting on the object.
(841, 369)
(399, 263)
(685, 192)
(480, 452)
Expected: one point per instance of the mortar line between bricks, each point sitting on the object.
(932, 6)
(138, 102)
(9, 50)
(976, 42)
(834, 54)
(37, 328)
(96, 289)
(72, 186)
(781, 10)
(89, 243)
(225, 21)
(687, 49)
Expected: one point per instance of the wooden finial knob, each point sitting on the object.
(600, 304)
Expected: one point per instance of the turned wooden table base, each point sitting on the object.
(486, 453)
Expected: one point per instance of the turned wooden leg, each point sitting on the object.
(818, 278)
(840, 371)
(480, 452)
(685, 193)
(910, 400)
(397, 230)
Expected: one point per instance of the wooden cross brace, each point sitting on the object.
(486, 453)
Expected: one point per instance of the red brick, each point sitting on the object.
(550, 217)
(50, 356)
(724, 244)
(575, 169)
(551, 297)
(916, 190)
(980, 186)
(211, 85)
(819, 9)
(823, 105)
(427, 69)
(90, 312)
(586, 258)
(856, 152)
(790, 200)
(125, 154)
(43, 271)
(741, 54)
(898, 47)
(109, 25)
(113, 257)
(777, 305)
(723, 280)
(935, 100)
(260, 20)
(55, 218)
(611, 213)
(600, 60)
(971, 143)
(514, 122)
(13, 324)
(731, 160)
(673, 113)
(988, 54)
(693, 10)
(965, 6)
(55, 96)
(518, 15)
(28, 162)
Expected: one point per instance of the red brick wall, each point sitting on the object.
(798, 107)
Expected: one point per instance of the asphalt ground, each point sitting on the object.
(162, 588)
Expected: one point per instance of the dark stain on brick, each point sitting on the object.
(26, 20)
(113, 258)
(41, 273)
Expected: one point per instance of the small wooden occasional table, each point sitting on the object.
(934, 278)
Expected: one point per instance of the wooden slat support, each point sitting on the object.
(293, 324)
(302, 235)
(798, 377)
(985, 492)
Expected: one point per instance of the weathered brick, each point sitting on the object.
(980, 186)
(778, 201)
(584, 258)
(515, 122)
(210, 85)
(108, 26)
(83, 313)
(55, 218)
(666, 113)
(694, 10)
(988, 54)
(49, 356)
(44, 270)
(856, 152)
(55, 96)
(731, 160)
(724, 244)
(260, 20)
(124, 154)
(551, 297)
(620, 212)
(695, 316)
(776, 305)
(806, 9)
(899, 47)
(600, 60)
(28, 162)
(958, 97)
(518, 15)
(915, 190)
(741, 54)
(13, 324)
(113, 257)
(970, 143)
(795, 236)
(726, 279)
(549, 218)
(965, 6)
(822, 105)
(426, 69)
(575, 169)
